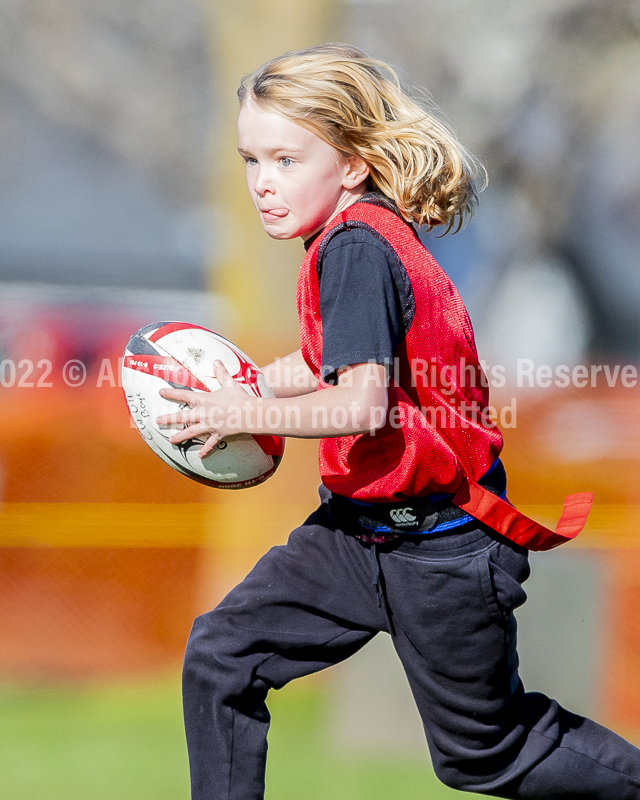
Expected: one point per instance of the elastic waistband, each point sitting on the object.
(434, 514)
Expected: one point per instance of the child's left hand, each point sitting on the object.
(208, 412)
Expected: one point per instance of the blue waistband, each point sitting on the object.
(442, 526)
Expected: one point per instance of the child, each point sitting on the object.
(337, 154)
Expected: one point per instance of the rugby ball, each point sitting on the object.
(181, 356)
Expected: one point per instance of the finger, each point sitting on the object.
(178, 395)
(181, 417)
(222, 374)
(209, 445)
(192, 432)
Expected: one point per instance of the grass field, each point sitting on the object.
(127, 742)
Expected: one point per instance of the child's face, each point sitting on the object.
(296, 180)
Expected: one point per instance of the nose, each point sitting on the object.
(263, 182)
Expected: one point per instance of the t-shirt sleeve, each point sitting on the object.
(359, 303)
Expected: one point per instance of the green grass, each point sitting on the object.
(123, 743)
(303, 763)
(127, 743)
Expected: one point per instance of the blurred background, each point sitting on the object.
(122, 202)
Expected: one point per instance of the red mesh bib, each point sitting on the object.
(437, 437)
(436, 430)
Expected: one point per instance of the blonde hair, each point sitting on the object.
(357, 105)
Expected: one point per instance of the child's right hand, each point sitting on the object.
(208, 413)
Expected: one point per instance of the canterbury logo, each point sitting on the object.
(402, 516)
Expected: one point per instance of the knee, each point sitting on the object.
(210, 655)
(461, 779)
(479, 773)
(452, 777)
(205, 638)
(206, 629)
(221, 659)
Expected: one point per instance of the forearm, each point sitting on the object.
(357, 404)
(334, 411)
(290, 376)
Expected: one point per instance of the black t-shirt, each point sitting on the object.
(361, 301)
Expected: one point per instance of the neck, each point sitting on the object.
(347, 198)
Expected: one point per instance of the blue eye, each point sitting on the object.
(288, 161)
(250, 161)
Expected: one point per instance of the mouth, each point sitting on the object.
(273, 214)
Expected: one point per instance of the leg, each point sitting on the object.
(452, 601)
(304, 606)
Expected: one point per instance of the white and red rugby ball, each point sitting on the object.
(181, 355)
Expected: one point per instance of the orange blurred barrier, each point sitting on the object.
(106, 555)
(88, 585)
(621, 680)
(65, 444)
(588, 439)
(83, 612)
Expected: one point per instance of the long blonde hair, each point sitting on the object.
(357, 105)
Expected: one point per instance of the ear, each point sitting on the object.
(356, 171)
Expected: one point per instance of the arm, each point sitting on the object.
(357, 404)
(360, 335)
(290, 376)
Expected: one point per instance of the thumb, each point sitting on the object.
(222, 374)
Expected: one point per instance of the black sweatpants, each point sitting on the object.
(449, 602)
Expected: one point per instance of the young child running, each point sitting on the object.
(338, 154)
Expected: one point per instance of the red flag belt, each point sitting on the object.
(508, 521)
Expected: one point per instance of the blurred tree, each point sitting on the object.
(106, 112)
(548, 94)
(134, 76)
